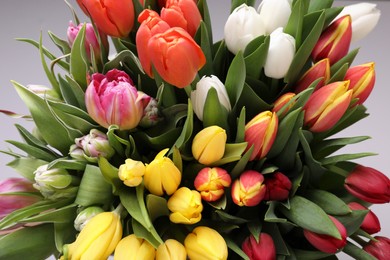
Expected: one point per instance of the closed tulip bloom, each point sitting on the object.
(326, 243)
(334, 41)
(204, 243)
(320, 70)
(208, 145)
(362, 80)
(176, 56)
(98, 238)
(133, 248)
(161, 175)
(262, 250)
(112, 99)
(278, 187)
(182, 13)
(365, 17)
(114, 18)
(171, 250)
(281, 52)
(242, 26)
(379, 248)
(282, 101)
(260, 133)
(185, 206)
(85, 216)
(249, 189)
(327, 105)
(132, 172)
(371, 223)
(199, 95)
(274, 13)
(211, 183)
(368, 184)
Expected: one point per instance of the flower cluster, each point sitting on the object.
(179, 147)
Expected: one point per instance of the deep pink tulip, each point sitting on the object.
(362, 80)
(249, 189)
(263, 250)
(379, 249)
(321, 69)
(326, 243)
(278, 187)
(371, 223)
(368, 184)
(112, 99)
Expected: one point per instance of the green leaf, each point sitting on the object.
(295, 21)
(78, 60)
(78, 92)
(356, 252)
(33, 151)
(61, 215)
(64, 233)
(110, 174)
(316, 5)
(329, 202)
(353, 220)
(235, 248)
(340, 74)
(26, 166)
(69, 164)
(241, 164)
(235, 79)
(255, 55)
(233, 152)
(270, 215)
(141, 232)
(124, 56)
(204, 11)
(329, 146)
(214, 113)
(205, 44)
(347, 59)
(61, 44)
(237, 3)
(70, 97)
(240, 136)
(306, 254)
(228, 218)
(32, 140)
(157, 206)
(344, 157)
(187, 128)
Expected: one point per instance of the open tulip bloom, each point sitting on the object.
(177, 146)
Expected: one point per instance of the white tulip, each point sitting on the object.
(280, 54)
(274, 13)
(198, 96)
(242, 26)
(365, 17)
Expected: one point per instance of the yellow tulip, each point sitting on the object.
(171, 250)
(131, 172)
(134, 248)
(208, 145)
(186, 206)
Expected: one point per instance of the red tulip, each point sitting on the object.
(262, 250)
(371, 223)
(282, 101)
(362, 80)
(211, 183)
(321, 69)
(278, 187)
(379, 248)
(248, 189)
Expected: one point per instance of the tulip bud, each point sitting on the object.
(326, 243)
(362, 80)
(85, 216)
(242, 26)
(278, 187)
(282, 101)
(185, 206)
(171, 250)
(368, 184)
(199, 95)
(211, 183)
(132, 172)
(134, 248)
(114, 18)
(365, 17)
(281, 52)
(334, 41)
(151, 114)
(112, 99)
(205, 243)
(260, 133)
(371, 223)
(55, 183)
(320, 70)
(379, 248)
(98, 238)
(182, 13)
(264, 249)
(249, 189)
(161, 175)
(327, 105)
(274, 13)
(208, 145)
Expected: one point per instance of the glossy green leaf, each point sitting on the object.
(347, 59)
(141, 232)
(339, 74)
(78, 60)
(233, 152)
(240, 136)
(187, 128)
(214, 113)
(124, 56)
(26, 166)
(353, 220)
(241, 164)
(316, 5)
(32, 140)
(235, 248)
(66, 163)
(235, 79)
(270, 215)
(329, 146)
(204, 11)
(110, 174)
(295, 21)
(157, 206)
(329, 202)
(67, 92)
(61, 215)
(228, 218)
(255, 55)
(356, 252)
(49, 73)
(205, 45)
(33, 151)
(237, 3)
(61, 44)
(344, 157)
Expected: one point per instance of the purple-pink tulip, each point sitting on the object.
(262, 250)
(371, 223)
(379, 248)
(112, 99)
(368, 184)
(249, 189)
(278, 187)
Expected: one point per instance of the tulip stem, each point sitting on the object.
(338, 170)
(356, 252)
(119, 209)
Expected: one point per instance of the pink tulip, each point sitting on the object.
(278, 187)
(371, 223)
(320, 70)
(262, 250)
(248, 189)
(379, 248)
(211, 183)
(112, 99)
(362, 80)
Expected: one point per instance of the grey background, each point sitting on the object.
(20, 61)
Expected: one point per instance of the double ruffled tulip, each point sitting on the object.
(326, 243)
(371, 223)
(208, 145)
(171, 250)
(133, 248)
(278, 187)
(199, 95)
(249, 189)
(334, 42)
(132, 172)
(320, 70)
(368, 184)
(365, 17)
(260, 133)
(161, 175)
(264, 249)
(205, 243)
(379, 248)
(242, 26)
(362, 80)
(274, 13)
(112, 99)
(327, 105)
(114, 18)
(211, 183)
(98, 238)
(186, 206)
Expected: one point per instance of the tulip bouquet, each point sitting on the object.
(156, 142)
